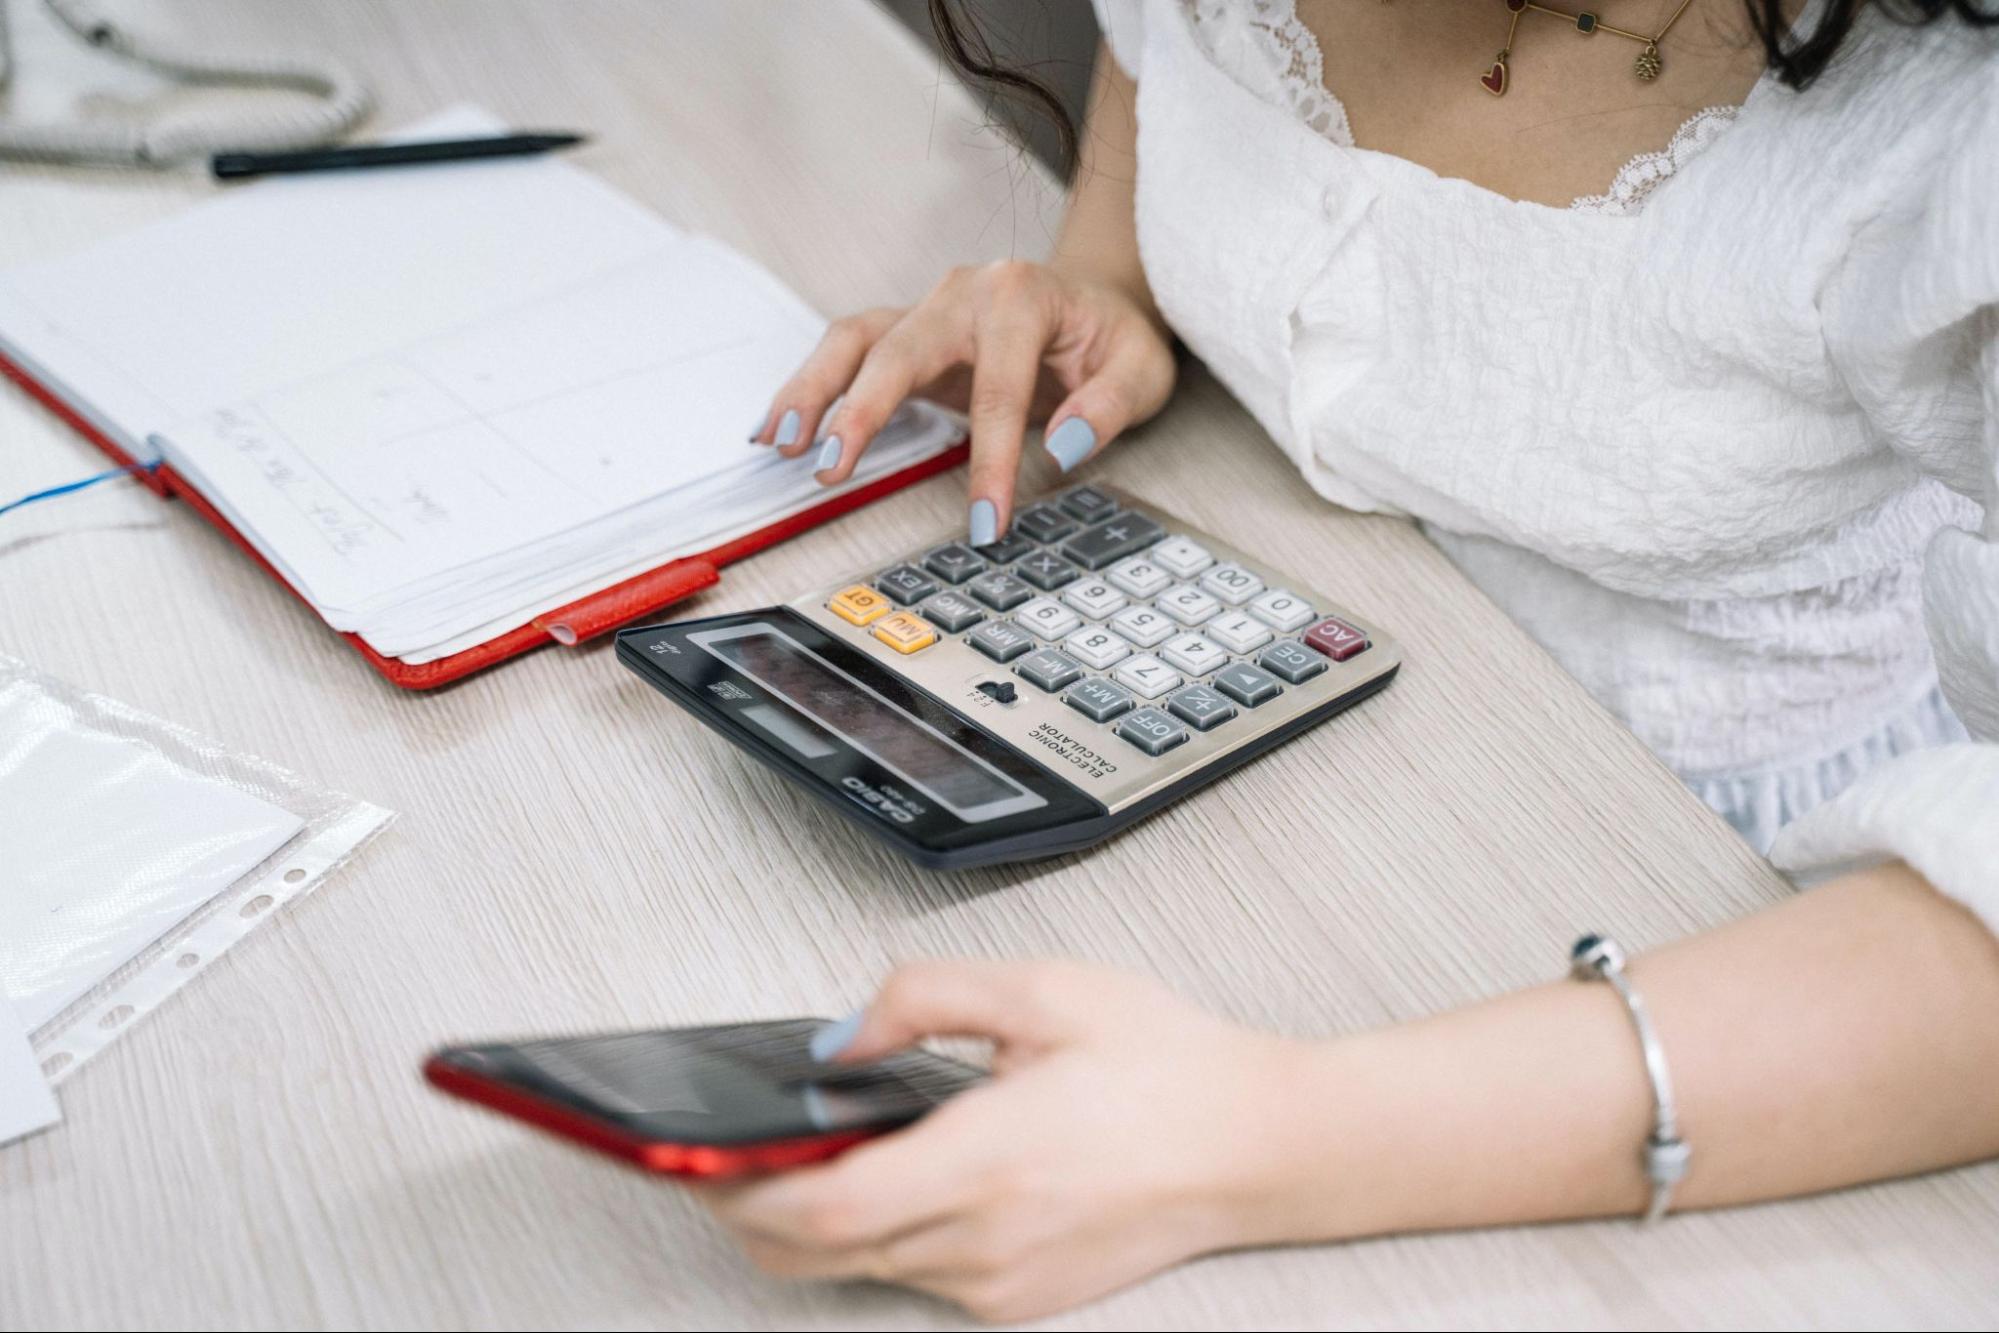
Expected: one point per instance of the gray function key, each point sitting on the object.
(1200, 708)
(951, 612)
(999, 590)
(1098, 700)
(1114, 538)
(954, 563)
(906, 584)
(1049, 669)
(1246, 685)
(1001, 640)
(1047, 570)
(1045, 523)
(1292, 660)
(1007, 549)
(1152, 731)
(1088, 504)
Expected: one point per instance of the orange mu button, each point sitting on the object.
(905, 633)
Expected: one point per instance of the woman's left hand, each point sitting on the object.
(1123, 1130)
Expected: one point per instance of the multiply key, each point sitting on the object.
(1113, 539)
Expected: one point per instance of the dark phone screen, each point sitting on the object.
(744, 1083)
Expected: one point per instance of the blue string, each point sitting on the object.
(53, 491)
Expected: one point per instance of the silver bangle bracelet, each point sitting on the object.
(1598, 958)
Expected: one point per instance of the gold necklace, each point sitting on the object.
(1646, 67)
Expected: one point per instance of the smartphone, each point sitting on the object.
(709, 1102)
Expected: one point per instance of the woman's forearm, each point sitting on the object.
(1845, 1035)
(1099, 237)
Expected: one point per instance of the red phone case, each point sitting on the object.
(704, 1161)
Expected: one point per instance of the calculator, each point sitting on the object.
(976, 705)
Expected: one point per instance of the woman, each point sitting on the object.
(1718, 426)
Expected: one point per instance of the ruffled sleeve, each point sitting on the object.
(1915, 307)
(1123, 24)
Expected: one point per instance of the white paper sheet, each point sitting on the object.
(26, 1102)
(104, 847)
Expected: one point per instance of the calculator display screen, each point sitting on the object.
(929, 761)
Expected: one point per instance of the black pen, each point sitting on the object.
(235, 166)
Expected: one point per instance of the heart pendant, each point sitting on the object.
(1495, 78)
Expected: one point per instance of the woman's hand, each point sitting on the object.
(1124, 1130)
(1009, 343)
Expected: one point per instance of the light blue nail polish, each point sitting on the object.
(829, 454)
(833, 1038)
(787, 427)
(758, 429)
(985, 523)
(1070, 443)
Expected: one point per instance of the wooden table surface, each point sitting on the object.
(573, 853)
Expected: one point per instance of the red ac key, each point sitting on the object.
(1336, 639)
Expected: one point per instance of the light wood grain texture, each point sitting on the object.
(573, 853)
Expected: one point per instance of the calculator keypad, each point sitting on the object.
(1152, 636)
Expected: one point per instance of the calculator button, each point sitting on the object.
(859, 605)
(1152, 731)
(905, 633)
(1200, 708)
(1336, 639)
(1049, 669)
(1113, 539)
(1006, 550)
(1088, 504)
(954, 563)
(952, 612)
(906, 584)
(1146, 676)
(1098, 700)
(1048, 617)
(1292, 660)
(1001, 640)
(1281, 610)
(1142, 625)
(1045, 523)
(1000, 591)
(1139, 577)
(1047, 570)
(1181, 557)
(1188, 604)
(1193, 654)
(1246, 685)
(1094, 598)
(1238, 631)
(1232, 583)
(1095, 647)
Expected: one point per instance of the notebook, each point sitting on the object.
(459, 409)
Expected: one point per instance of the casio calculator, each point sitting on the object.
(976, 705)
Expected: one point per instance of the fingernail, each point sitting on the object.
(758, 429)
(833, 1038)
(985, 523)
(787, 427)
(1070, 443)
(829, 454)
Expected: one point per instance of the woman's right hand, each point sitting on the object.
(1008, 343)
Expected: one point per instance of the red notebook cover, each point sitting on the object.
(586, 618)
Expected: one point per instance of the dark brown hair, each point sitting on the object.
(1797, 62)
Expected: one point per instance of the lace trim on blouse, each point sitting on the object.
(1285, 51)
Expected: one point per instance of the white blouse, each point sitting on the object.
(1730, 456)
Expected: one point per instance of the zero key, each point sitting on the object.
(1335, 638)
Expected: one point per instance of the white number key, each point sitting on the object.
(1238, 631)
(1093, 597)
(1188, 604)
(1282, 610)
(1142, 625)
(1193, 654)
(1146, 676)
(1047, 617)
(1096, 648)
(1232, 583)
(1139, 577)
(1180, 557)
